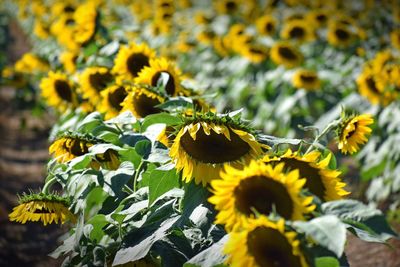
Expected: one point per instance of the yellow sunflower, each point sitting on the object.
(167, 136)
(320, 180)
(255, 53)
(68, 147)
(395, 38)
(306, 79)
(68, 60)
(151, 74)
(142, 102)
(340, 35)
(285, 54)
(227, 6)
(112, 99)
(298, 30)
(367, 86)
(353, 132)
(318, 17)
(92, 81)
(41, 207)
(221, 46)
(264, 243)
(41, 29)
(30, 63)
(266, 25)
(108, 160)
(131, 59)
(58, 91)
(202, 147)
(206, 36)
(261, 187)
(85, 22)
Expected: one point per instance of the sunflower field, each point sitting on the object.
(212, 133)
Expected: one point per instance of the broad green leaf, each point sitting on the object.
(90, 49)
(209, 257)
(326, 262)
(98, 222)
(374, 171)
(161, 182)
(123, 118)
(165, 118)
(143, 148)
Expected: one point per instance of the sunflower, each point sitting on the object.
(112, 99)
(261, 187)
(150, 75)
(319, 18)
(285, 54)
(320, 180)
(41, 29)
(30, 63)
(221, 46)
(142, 102)
(131, 59)
(167, 136)
(63, 28)
(340, 35)
(353, 132)
(42, 207)
(306, 79)
(68, 146)
(255, 53)
(68, 60)
(92, 81)
(85, 22)
(203, 146)
(266, 25)
(395, 38)
(227, 6)
(58, 91)
(264, 243)
(108, 160)
(206, 36)
(297, 30)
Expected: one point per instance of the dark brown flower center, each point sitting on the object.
(99, 81)
(297, 32)
(350, 134)
(287, 53)
(76, 149)
(169, 87)
(63, 90)
(372, 85)
(308, 78)
(115, 98)
(342, 34)
(42, 210)
(264, 195)
(145, 105)
(321, 18)
(269, 27)
(270, 248)
(214, 148)
(231, 6)
(136, 62)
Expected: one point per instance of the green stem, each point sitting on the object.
(324, 132)
(137, 175)
(47, 185)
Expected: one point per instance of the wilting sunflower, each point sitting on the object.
(42, 207)
(340, 35)
(203, 146)
(264, 243)
(108, 160)
(285, 54)
(142, 102)
(266, 25)
(58, 91)
(320, 180)
(131, 59)
(69, 146)
(306, 79)
(150, 75)
(112, 99)
(166, 136)
(85, 22)
(261, 187)
(93, 80)
(68, 59)
(353, 132)
(297, 30)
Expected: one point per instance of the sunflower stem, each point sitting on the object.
(329, 127)
(48, 184)
(137, 176)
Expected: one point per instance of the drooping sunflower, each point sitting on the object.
(202, 146)
(298, 30)
(353, 132)
(261, 187)
(42, 207)
(131, 59)
(112, 99)
(285, 54)
(306, 79)
(68, 146)
(108, 160)
(339, 35)
(142, 102)
(85, 22)
(92, 81)
(320, 180)
(166, 136)
(150, 75)
(58, 91)
(264, 243)
(266, 25)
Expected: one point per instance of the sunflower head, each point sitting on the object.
(207, 141)
(227, 6)
(93, 80)
(255, 53)
(112, 99)
(260, 188)
(266, 25)
(286, 54)
(47, 208)
(340, 35)
(69, 146)
(264, 243)
(131, 59)
(68, 60)
(297, 30)
(108, 160)
(353, 132)
(320, 180)
(306, 79)
(142, 101)
(85, 17)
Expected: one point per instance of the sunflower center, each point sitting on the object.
(99, 81)
(257, 51)
(106, 156)
(269, 27)
(169, 87)
(230, 6)
(321, 18)
(136, 62)
(297, 32)
(287, 53)
(270, 248)
(314, 181)
(372, 85)
(63, 90)
(41, 210)
(264, 195)
(342, 34)
(145, 105)
(308, 78)
(353, 131)
(115, 98)
(214, 148)
(78, 148)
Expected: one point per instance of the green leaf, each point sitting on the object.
(98, 222)
(326, 262)
(165, 118)
(90, 122)
(176, 102)
(90, 49)
(123, 118)
(327, 231)
(374, 171)
(211, 256)
(161, 182)
(143, 148)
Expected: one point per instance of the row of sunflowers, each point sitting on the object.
(213, 133)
